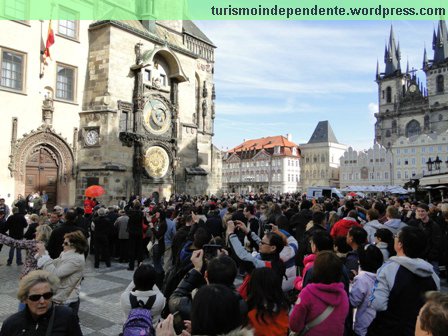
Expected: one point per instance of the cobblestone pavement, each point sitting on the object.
(100, 310)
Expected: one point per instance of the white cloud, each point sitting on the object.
(373, 108)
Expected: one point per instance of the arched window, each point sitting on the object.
(413, 128)
(440, 84)
(389, 94)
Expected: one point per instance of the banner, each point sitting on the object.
(224, 9)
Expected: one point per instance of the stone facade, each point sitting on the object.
(152, 104)
(406, 107)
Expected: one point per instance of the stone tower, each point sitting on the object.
(146, 124)
(402, 99)
(436, 71)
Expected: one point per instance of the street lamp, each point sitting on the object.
(437, 163)
(429, 163)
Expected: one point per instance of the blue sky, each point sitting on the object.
(279, 77)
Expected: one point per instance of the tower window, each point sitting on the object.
(440, 84)
(389, 94)
(412, 128)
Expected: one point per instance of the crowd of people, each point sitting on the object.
(263, 265)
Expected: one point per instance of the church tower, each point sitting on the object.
(401, 98)
(437, 78)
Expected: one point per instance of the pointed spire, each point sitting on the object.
(377, 69)
(434, 39)
(392, 55)
(440, 44)
(425, 59)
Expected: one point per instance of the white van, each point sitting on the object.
(327, 192)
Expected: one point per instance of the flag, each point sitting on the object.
(50, 42)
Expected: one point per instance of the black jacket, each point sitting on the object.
(135, 227)
(434, 239)
(181, 299)
(23, 324)
(15, 224)
(54, 245)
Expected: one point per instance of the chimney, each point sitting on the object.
(289, 136)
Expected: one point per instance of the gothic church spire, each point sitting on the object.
(440, 43)
(392, 56)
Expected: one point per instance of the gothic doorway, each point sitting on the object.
(42, 174)
(43, 160)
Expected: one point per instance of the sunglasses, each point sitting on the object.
(264, 243)
(36, 297)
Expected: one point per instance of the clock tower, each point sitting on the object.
(146, 125)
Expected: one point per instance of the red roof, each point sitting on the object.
(267, 143)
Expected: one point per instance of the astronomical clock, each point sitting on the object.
(156, 116)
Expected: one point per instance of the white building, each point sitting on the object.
(365, 168)
(268, 164)
(412, 154)
(320, 158)
(40, 107)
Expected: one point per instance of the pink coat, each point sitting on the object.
(312, 301)
(308, 262)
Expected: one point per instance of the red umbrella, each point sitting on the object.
(94, 191)
(352, 194)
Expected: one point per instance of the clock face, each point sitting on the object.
(157, 116)
(157, 161)
(412, 88)
(91, 138)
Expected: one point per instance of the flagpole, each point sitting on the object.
(41, 72)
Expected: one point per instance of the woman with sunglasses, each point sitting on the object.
(69, 268)
(40, 316)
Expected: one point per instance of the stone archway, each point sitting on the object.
(55, 151)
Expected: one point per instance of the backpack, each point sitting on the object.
(139, 322)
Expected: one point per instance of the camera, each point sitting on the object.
(178, 323)
(267, 227)
(210, 251)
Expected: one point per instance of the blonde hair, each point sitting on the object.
(34, 218)
(43, 233)
(33, 278)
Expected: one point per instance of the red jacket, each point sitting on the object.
(88, 206)
(341, 227)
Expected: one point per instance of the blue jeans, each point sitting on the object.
(18, 255)
(157, 258)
